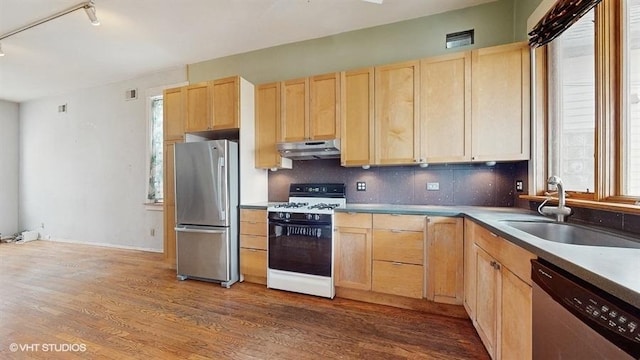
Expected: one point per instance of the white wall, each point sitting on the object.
(9, 131)
(83, 173)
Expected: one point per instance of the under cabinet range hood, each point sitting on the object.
(309, 150)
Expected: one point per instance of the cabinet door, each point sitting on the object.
(357, 117)
(397, 131)
(353, 258)
(516, 323)
(446, 108)
(198, 108)
(173, 113)
(500, 102)
(470, 269)
(397, 278)
(295, 110)
(253, 265)
(225, 103)
(169, 205)
(267, 124)
(324, 107)
(487, 300)
(445, 260)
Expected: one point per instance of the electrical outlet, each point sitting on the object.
(361, 186)
(433, 186)
(519, 186)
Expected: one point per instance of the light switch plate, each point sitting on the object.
(433, 186)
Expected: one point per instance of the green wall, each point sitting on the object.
(494, 23)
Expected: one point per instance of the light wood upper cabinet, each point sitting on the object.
(295, 110)
(198, 108)
(444, 265)
(324, 107)
(357, 98)
(311, 108)
(267, 129)
(445, 108)
(173, 113)
(225, 102)
(396, 118)
(213, 105)
(500, 102)
(353, 250)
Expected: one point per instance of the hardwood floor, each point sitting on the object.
(122, 304)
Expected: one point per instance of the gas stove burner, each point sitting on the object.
(291, 205)
(323, 206)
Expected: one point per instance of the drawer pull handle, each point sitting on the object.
(492, 234)
(395, 214)
(396, 263)
(396, 231)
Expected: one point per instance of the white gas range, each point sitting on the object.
(301, 244)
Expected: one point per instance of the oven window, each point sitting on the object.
(300, 248)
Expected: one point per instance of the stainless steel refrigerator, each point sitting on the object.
(206, 175)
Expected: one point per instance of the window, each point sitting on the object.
(592, 103)
(572, 105)
(631, 99)
(154, 189)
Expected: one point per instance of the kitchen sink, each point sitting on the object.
(573, 234)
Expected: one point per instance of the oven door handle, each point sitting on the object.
(299, 223)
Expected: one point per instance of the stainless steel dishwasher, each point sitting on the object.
(574, 320)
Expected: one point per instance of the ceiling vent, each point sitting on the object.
(131, 94)
(458, 39)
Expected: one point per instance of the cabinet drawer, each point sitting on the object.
(399, 222)
(253, 228)
(253, 242)
(515, 258)
(253, 262)
(397, 279)
(253, 215)
(399, 246)
(353, 220)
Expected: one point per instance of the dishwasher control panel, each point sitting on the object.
(608, 315)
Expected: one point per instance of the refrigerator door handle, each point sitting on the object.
(221, 177)
(205, 231)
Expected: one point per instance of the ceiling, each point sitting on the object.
(138, 37)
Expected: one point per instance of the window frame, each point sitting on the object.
(608, 122)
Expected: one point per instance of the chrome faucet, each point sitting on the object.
(561, 211)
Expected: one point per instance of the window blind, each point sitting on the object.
(559, 18)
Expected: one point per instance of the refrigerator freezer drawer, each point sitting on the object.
(203, 254)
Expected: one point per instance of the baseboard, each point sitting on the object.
(114, 246)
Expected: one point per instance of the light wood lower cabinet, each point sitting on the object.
(444, 265)
(353, 251)
(398, 254)
(253, 245)
(501, 302)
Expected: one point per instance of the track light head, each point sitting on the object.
(90, 9)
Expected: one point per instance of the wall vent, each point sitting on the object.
(461, 38)
(131, 94)
(62, 108)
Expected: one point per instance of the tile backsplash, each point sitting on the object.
(459, 184)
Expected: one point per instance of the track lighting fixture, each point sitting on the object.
(88, 6)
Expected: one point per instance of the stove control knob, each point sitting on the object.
(287, 215)
(280, 215)
(316, 217)
(308, 216)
